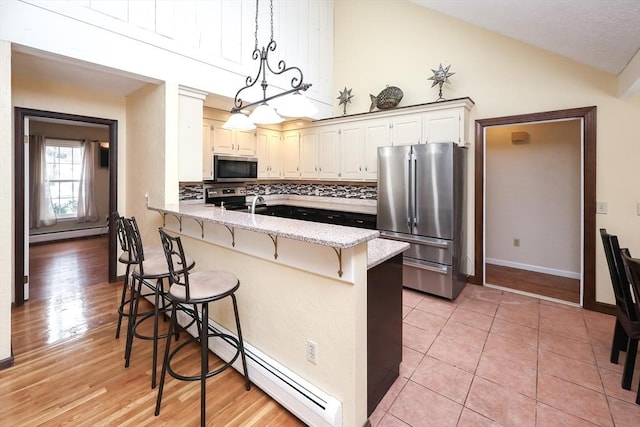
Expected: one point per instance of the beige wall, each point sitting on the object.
(504, 77)
(6, 207)
(533, 193)
(146, 157)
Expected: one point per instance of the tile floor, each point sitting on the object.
(493, 358)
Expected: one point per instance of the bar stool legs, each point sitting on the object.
(203, 336)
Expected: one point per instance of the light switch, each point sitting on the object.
(601, 207)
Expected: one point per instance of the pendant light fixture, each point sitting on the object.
(293, 105)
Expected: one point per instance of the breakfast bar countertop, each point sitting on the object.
(336, 236)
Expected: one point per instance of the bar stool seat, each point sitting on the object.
(150, 270)
(198, 289)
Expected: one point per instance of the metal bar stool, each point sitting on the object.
(149, 270)
(198, 289)
(127, 258)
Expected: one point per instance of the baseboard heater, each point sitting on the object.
(303, 399)
(68, 234)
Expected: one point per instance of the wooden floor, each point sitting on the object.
(547, 285)
(69, 368)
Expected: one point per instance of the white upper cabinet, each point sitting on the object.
(190, 111)
(291, 154)
(225, 141)
(406, 129)
(268, 152)
(377, 133)
(352, 152)
(445, 126)
(207, 150)
(309, 153)
(328, 148)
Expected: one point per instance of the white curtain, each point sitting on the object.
(41, 210)
(87, 211)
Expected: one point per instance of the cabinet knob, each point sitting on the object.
(360, 168)
(365, 169)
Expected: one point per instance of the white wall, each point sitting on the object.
(6, 207)
(158, 41)
(504, 77)
(533, 193)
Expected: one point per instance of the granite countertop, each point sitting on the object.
(336, 236)
(380, 250)
(317, 202)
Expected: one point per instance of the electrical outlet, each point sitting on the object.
(516, 242)
(312, 351)
(601, 207)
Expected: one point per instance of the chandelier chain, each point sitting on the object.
(271, 6)
(256, 33)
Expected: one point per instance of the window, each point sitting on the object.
(64, 168)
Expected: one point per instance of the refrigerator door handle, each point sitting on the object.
(412, 191)
(409, 186)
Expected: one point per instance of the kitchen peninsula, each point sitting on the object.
(301, 282)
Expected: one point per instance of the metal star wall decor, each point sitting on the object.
(440, 77)
(345, 98)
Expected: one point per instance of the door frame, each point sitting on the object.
(588, 116)
(20, 114)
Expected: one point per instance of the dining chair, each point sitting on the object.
(632, 267)
(625, 315)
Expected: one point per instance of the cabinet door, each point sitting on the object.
(328, 140)
(406, 130)
(291, 154)
(221, 139)
(376, 134)
(442, 126)
(245, 143)
(275, 155)
(351, 152)
(262, 151)
(309, 153)
(207, 152)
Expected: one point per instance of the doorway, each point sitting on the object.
(21, 117)
(533, 199)
(588, 247)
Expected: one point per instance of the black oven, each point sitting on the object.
(234, 168)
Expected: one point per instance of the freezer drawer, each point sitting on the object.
(432, 278)
(425, 248)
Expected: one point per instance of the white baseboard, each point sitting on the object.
(310, 404)
(536, 268)
(70, 234)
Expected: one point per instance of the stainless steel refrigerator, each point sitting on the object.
(421, 200)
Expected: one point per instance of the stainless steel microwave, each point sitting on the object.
(234, 168)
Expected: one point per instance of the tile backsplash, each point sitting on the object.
(190, 191)
(194, 191)
(366, 192)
